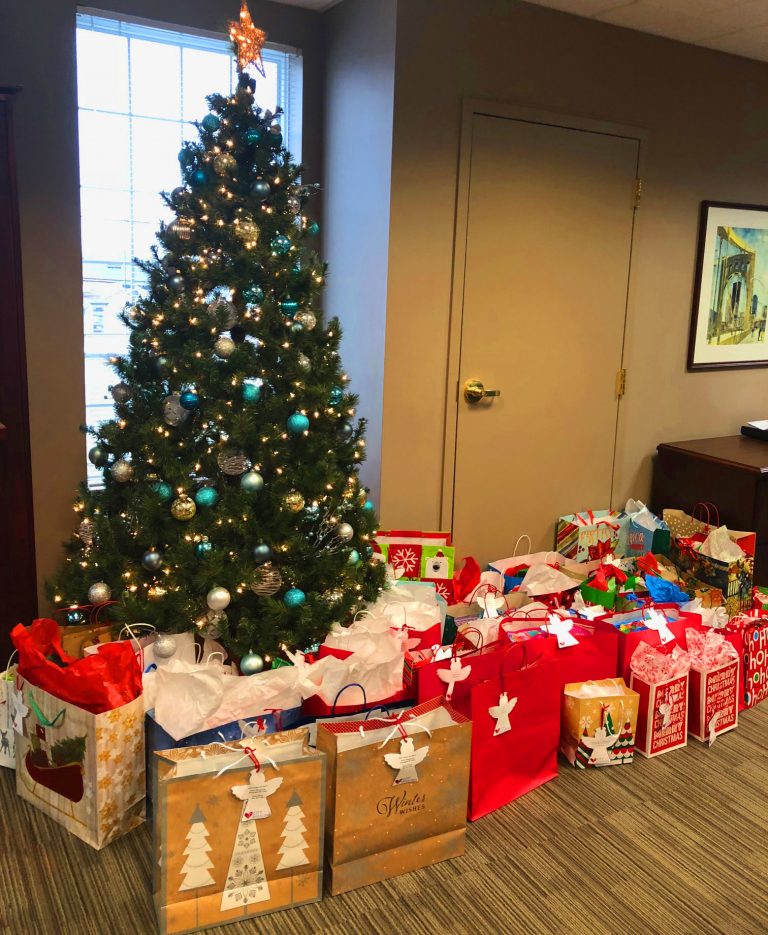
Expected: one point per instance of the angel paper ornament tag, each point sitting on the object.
(500, 712)
(655, 620)
(456, 673)
(561, 628)
(491, 604)
(406, 761)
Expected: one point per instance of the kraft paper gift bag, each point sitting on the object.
(396, 793)
(238, 833)
(7, 710)
(599, 723)
(84, 770)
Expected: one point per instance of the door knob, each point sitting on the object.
(474, 391)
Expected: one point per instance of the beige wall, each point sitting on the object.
(706, 114)
(37, 52)
(358, 153)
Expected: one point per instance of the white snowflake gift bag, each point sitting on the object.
(238, 830)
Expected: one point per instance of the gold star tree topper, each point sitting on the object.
(248, 41)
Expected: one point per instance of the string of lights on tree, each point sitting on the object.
(231, 502)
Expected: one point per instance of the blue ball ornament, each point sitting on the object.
(254, 294)
(251, 482)
(203, 548)
(251, 392)
(253, 135)
(73, 617)
(261, 189)
(289, 307)
(189, 399)
(199, 177)
(207, 496)
(294, 597)
(164, 491)
(297, 423)
(335, 396)
(262, 552)
(280, 244)
(210, 122)
(186, 157)
(354, 557)
(368, 506)
(251, 663)
(152, 560)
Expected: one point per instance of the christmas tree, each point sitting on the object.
(197, 866)
(583, 752)
(294, 843)
(231, 499)
(624, 749)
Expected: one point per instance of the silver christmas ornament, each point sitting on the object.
(99, 593)
(121, 471)
(87, 530)
(164, 646)
(307, 319)
(304, 363)
(220, 305)
(232, 462)
(266, 580)
(218, 598)
(121, 392)
(152, 559)
(174, 414)
(224, 163)
(224, 346)
(293, 203)
(181, 228)
(251, 663)
(345, 531)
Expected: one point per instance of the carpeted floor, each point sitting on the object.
(676, 845)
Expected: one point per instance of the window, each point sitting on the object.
(139, 87)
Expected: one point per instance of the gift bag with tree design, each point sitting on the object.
(598, 723)
(263, 848)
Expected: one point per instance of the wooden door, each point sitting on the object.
(18, 600)
(549, 225)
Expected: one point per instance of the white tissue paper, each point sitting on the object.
(720, 546)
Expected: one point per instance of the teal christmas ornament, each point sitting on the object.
(296, 326)
(280, 244)
(335, 396)
(354, 557)
(297, 423)
(207, 496)
(313, 228)
(368, 506)
(199, 177)
(251, 392)
(189, 399)
(254, 294)
(164, 491)
(251, 482)
(98, 456)
(347, 431)
(251, 663)
(186, 157)
(289, 307)
(261, 189)
(262, 552)
(203, 548)
(73, 617)
(210, 122)
(253, 135)
(294, 597)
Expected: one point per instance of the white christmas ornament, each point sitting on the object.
(456, 673)
(406, 761)
(218, 598)
(501, 712)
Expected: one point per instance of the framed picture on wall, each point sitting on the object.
(730, 296)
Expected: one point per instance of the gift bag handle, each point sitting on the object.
(41, 717)
(519, 540)
(459, 637)
(711, 511)
(341, 692)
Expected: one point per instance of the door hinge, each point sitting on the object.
(638, 191)
(621, 382)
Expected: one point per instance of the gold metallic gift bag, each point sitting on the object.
(396, 793)
(237, 835)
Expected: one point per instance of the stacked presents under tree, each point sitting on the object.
(447, 698)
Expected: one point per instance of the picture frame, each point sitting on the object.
(730, 305)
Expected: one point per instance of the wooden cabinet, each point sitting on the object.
(18, 600)
(730, 472)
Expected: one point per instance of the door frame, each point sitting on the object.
(472, 107)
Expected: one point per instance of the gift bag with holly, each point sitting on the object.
(660, 677)
(238, 830)
(599, 723)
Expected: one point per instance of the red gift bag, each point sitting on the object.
(97, 683)
(677, 621)
(515, 726)
(749, 636)
(470, 665)
(713, 703)
(662, 718)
